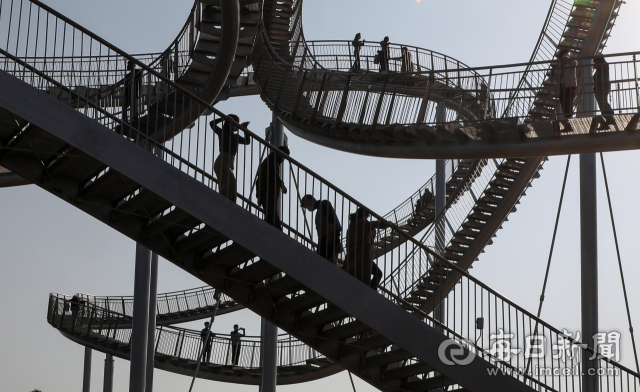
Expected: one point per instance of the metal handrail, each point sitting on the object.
(343, 202)
(92, 321)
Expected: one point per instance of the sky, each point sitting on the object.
(49, 246)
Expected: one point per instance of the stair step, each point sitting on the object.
(322, 317)
(387, 358)
(406, 371)
(345, 331)
(230, 256)
(204, 238)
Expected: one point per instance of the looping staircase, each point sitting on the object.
(177, 350)
(153, 192)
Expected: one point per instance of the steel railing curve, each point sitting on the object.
(500, 312)
(177, 349)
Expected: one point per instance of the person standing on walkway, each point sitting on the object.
(566, 73)
(269, 184)
(236, 343)
(327, 226)
(601, 89)
(132, 85)
(357, 44)
(384, 55)
(207, 341)
(224, 165)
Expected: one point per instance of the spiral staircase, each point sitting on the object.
(135, 178)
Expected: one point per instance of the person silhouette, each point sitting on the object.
(384, 55)
(327, 226)
(601, 89)
(228, 145)
(132, 84)
(269, 184)
(357, 44)
(566, 74)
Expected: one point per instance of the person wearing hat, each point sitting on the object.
(327, 226)
(360, 236)
(269, 184)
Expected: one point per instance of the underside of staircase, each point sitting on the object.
(130, 189)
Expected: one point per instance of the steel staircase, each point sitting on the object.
(146, 189)
(177, 349)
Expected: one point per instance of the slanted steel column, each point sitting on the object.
(151, 338)
(86, 379)
(140, 325)
(108, 374)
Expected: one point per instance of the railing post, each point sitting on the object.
(425, 102)
(363, 112)
(488, 99)
(319, 97)
(299, 95)
(379, 106)
(635, 78)
(390, 110)
(343, 101)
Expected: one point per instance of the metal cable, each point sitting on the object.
(553, 242)
(352, 384)
(624, 287)
(206, 340)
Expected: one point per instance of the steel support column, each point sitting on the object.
(140, 325)
(86, 379)
(588, 231)
(269, 332)
(269, 356)
(589, 263)
(108, 374)
(153, 291)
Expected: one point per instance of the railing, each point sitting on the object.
(307, 88)
(166, 303)
(110, 327)
(555, 26)
(194, 152)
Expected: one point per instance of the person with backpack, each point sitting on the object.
(360, 236)
(269, 185)
(327, 226)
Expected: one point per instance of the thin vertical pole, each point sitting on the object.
(108, 374)
(86, 379)
(140, 325)
(151, 334)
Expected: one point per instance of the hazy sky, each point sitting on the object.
(49, 246)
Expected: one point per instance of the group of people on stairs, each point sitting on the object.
(269, 184)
